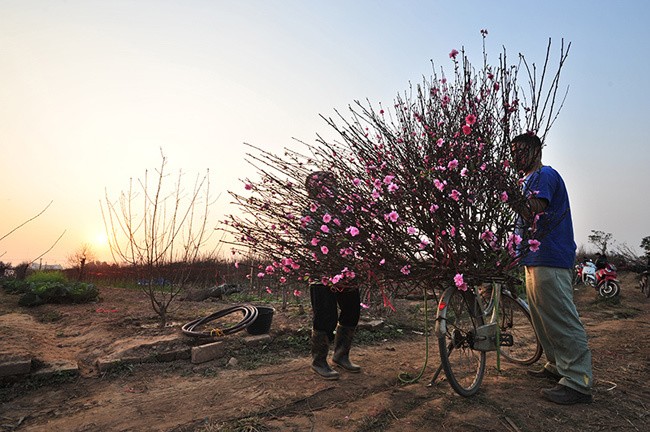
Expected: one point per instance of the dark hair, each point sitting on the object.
(528, 139)
(319, 182)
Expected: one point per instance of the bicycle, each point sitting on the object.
(468, 325)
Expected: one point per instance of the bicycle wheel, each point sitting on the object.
(514, 320)
(458, 317)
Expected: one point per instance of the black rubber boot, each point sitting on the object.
(320, 346)
(342, 344)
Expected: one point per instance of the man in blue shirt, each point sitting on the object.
(549, 275)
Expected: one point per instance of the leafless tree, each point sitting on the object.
(160, 230)
(78, 259)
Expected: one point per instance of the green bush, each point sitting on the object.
(49, 287)
(46, 276)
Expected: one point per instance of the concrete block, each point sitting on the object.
(257, 340)
(207, 352)
(371, 325)
(15, 366)
(59, 367)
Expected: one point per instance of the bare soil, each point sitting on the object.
(271, 388)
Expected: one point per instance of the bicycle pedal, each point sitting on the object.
(506, 339)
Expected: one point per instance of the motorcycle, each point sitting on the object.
(604, 281)
(585, 273)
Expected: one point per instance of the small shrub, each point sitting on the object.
(47, 276)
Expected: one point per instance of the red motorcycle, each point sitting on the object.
(606, 282)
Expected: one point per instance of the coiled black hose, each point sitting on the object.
(250, 314)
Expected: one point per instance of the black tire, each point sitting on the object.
(458, 317)
(609, 289)
(514, 320)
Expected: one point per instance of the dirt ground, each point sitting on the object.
(284, 395)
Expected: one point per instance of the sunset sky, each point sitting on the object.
(91, 91)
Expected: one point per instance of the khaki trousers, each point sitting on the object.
(559, 329)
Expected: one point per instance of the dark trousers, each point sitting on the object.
(324, 303)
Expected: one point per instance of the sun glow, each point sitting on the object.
(101, 241)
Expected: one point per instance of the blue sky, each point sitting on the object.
(92, 90)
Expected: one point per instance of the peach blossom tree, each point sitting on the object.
(424, 187)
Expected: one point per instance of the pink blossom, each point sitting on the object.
(483, 167)
(297, 293)
(392, 187)
(460, 282)
(452, 164)
(440, 142)
(452, 231)
(455, 195)
(352, 230)
(463, 172)
(313, 207)
(236, 265)
(467, 129)
(325, 228)
(324, 250)
(327, 218)
(438, 184)
(470, 119)
(260, 275)
(375, 194)
(248, 186)
(356, 182)
(269, 269)
(283, 279)
(392, 216)
(336, 221)
(411, 230)
(406, 269)
(314, 241)
(382, 262)
(453, 54)
(345, 252)
(504, 196)
(364, 306)
(533, 245)
(433, 208)
(268, 290)
(388, 179)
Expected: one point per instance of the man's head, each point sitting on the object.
(321, 185)
(526, 151)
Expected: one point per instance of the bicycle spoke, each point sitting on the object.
(464, 366)
(514, 320)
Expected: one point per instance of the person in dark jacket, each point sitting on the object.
(329, 325)
(601, 261)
